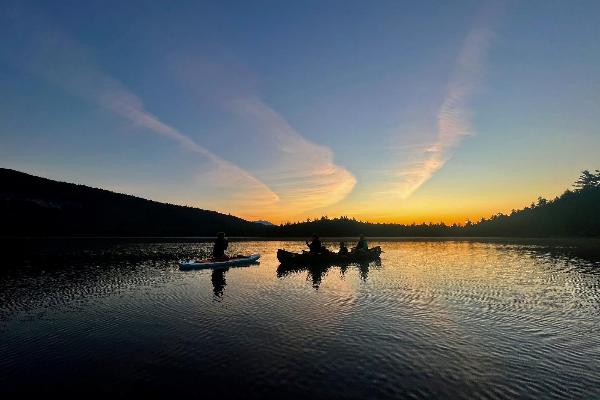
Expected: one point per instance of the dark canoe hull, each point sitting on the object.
(287, 257)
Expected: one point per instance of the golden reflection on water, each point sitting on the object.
(435, 318)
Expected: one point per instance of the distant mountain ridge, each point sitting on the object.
(34, 206)
(263, 222)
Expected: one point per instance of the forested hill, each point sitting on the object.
(574, 213)
(34, 206)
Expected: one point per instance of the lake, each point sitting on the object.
(434, 319)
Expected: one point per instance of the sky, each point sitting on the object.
(386, 111)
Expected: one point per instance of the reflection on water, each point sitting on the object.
(315, 273)
(218, 281)
(433, 319)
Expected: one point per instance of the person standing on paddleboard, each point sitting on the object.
(220, 245)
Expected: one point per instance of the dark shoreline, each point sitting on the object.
(37, 207)
(18, 247)
(295, 238)
(590, 245)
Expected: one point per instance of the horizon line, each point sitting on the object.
(308, 219)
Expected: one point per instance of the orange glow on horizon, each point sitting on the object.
(414, 211)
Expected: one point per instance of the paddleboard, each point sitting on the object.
(212, 263)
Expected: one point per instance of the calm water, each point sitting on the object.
(434, 319)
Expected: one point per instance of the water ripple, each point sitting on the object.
(434, 319)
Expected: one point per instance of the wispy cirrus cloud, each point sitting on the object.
(453, 117)
(63, 61)
(303, 174)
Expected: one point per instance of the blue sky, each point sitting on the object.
(387, 111)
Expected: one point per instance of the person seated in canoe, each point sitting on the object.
(220, 246)
(315, 246)
(343, 249)
(362, 246)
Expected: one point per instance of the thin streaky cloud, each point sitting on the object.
(304, 176)
(453, 118)
(302, 173)
(69, 65)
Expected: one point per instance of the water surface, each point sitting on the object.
(441, 319)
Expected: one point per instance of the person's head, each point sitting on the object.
(342, 244)
(221, 235)
(362, 236)
(315, 236)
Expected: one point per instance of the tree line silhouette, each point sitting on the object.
(34, 206)
(574, 213)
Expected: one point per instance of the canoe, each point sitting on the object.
(287, 257)
(219, 263)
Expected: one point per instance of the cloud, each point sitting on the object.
(453, 118)
(303, 174)
(247, 190)
(49, 53)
